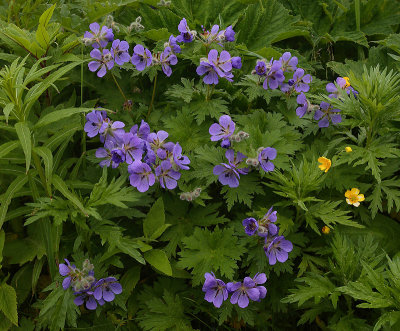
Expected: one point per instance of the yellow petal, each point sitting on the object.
(355, 191)
(348, 149)
(356, 204)
(361, 197)
(347, 194)
(348, 201)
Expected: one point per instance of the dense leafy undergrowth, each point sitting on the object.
(200, 165)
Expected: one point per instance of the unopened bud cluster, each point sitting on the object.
(164, 3)
(136, 25)
(82, 279)
(240, 136)
(190, 196)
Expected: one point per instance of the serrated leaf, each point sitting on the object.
(60, 185)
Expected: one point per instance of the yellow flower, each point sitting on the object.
(348, 149)
(325, 163)
(347, 81)
(326, 230)
(353, 197)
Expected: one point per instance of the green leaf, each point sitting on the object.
(59, 115)
(8, 303)
(60, 185)
(42, 36)
(47, 157)
(155, 218)
(2, 240)
(24, 135)
(14, 187)
(46, 16)
(158, 34)
(8, 147)
(7, 110)
(159, 260)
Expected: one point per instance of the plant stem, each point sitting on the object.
(152, 97)
(83, 115)
(119, 87)
(357, 11)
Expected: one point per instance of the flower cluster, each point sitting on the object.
(275, 247)
(86, 288)
(216, 291)
(229, 173)
(104, 59)
(149, 156)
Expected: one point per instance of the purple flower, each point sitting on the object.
(277, 249)
(289, 63)
(215, 66)
(186, 35)
(225, 143)
(88, 298)
(114, 131)
(301, 81)
(260, 278)
(325, 114)
(250, 226)
(180, 160)
(141, 57)
(210, 36)
(98, 38)
(95, 123)
(141, 176)
(172, 42)
(66, 270)
(275, 75)
(168, 58)
(117, 157)
(228, 34)
(236, 62)
(333, 90)
(229, 174)
(156, 140)
(103, 61)
(106, 288)
(265, 155)
(261, 68)
(166, 175)
(223, 130)
(132, 146)
(303, 102)
(119, 51)
(111, 154)
(266, 226)
(243, 292)
(144, 130)
(215, 289)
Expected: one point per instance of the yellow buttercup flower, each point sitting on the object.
(353, 197)
(325, 163)
(347, 81)
(326, 229)
(348, 149)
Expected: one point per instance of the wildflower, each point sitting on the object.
(172, 42)
(166, 175)
(114, 131)
(326, 230)
(260, 68)
(353, 197)
(260, 278)
(180, 160)
(143, 132)
(103, 61)
(215, 66)
(250, 226)
(186, 35)
(242, 292)
(288, 62)
(95, 123)
(105, 153)
(228, 34)
(215, 289)
(210, 36)
(168, 58)
(325, 114)
(325, 163)
(229, 174)
(277, 249)
(156, 140)
(132, 146)
(96, 37)
(264, 158)
(333, 90)
(66, 270)
(88, 298)
(141, 57)
(274, 75)
(266, 224)
(347, 82)
(119, 51)
(301, 81)
(117, 156)
(303, 105)
(106, 288)
(348, 149)
(141, 176)
(236, 62)
(223, 130)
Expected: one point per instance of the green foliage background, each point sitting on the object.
(56, 202)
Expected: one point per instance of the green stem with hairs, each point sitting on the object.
(152, 97)
(119, 87)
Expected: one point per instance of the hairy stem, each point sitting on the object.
(152, 97)
(119, 87)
